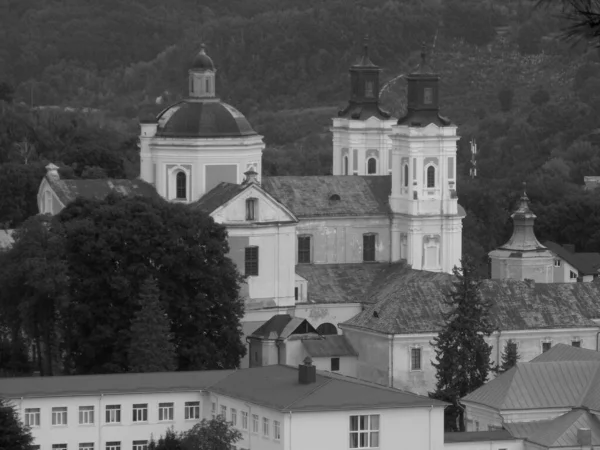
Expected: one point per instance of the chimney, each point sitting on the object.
(307, 373)
(584, 438)
(251, 177)
(569, 247)
(52, 172)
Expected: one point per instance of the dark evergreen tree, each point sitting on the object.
(151, 348)
(510, 356)
(14, 435)
(462, 354)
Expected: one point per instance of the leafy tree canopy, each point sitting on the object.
(13, 434)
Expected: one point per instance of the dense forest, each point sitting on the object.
(529, 99)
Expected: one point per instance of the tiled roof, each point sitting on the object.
(310, 196)
(564, 352)
(68, 190)
(586, 263)
(354, 283)
(281, 326)
(560, 432)
(277, 387)
(329, 346)
(217, 196)
(106, 384)
(478, 436)
(6, 238)
(403, 306)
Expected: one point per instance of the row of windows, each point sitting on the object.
(371, 166)
(139, 413)
(304, 248)
(115, 445)
(233, 418)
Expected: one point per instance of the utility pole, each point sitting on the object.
(473, 170)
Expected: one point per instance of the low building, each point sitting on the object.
(274, 407)
(570, 266)
(482, 440)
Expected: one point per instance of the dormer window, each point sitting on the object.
(181, 185)
(251, 208)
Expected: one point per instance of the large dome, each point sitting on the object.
(208, 119)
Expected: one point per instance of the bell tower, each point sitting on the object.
(427, 220)
(361, 143)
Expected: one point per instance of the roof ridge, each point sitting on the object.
(308, 394)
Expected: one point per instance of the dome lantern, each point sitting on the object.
(202, 76)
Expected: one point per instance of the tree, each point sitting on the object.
(215, 434)
(6, 92)
(584, 18)
(540, 97)
(510, 356)
(170, 441)
(505, 97)
(112, 246)
(462, 354)
(14, 435)
(151, 349)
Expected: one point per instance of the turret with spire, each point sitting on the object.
(523, 256)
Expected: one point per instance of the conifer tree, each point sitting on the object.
(14, 435)
(463, 355)
(151, 348)
(510, 356)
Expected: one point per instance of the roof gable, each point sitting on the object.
(282, 326)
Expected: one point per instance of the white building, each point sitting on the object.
(274, 407)
(571, 266)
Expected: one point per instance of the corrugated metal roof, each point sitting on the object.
(329, 346)
(564, 352)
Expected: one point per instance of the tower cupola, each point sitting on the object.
(202, 76)
(523, 237)
(364, 89)
(423, 96)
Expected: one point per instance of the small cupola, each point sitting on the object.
(251, 177)
(423, 96)
(52, 172)
(307, 373)
(523, 237)
(202, 76)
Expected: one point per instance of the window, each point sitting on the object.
(371, 166)
(224, 411)
(415, 359)
(576, 343)
(303, 249)
(140, 445)
(32, 417)
(346, 165)
(546, 346)
(251, 209)
(165, 411)
(113, 446)
(181, 185)
(86, 446)
(251, 265)
(431, 177)
(573, 275)
(140, 412)
(265, 426)
(59, 416)
(364, 431)
(477, 425)
(234, 417)
(254, 423)
(207, 86)
(557, 263)
(369, 89)
(59, 446)
(405, 175)
(244, 420)
(113, 413)
(276, 430)
(428, 96)
(295, 293)
(213, 410)
(192, 410)
(335, 364)
(368, 247)
(86, 415)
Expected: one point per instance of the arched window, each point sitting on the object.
(326, 329)
(345, 165)
(207, 86)
(430, 177)
(371, 166)
(181, 185)
(405, 175)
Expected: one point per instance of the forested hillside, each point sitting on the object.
(530, 100)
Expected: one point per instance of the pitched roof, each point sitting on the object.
(277, 387)
(586, 263)
(217, 196)
(69, 190)
(282, 326)
(403, 306)
(478, 436)
(329, 346)
(560, 432)
(310, 196)
(564, 352)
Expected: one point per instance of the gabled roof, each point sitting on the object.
(310, 196)
(69, 190)
(564, 352)
(586, 263)
(400, 306)
(329, 346)
(282, 326)
(218, 196)
(560, 432)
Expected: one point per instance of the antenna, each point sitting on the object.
(473, 170)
